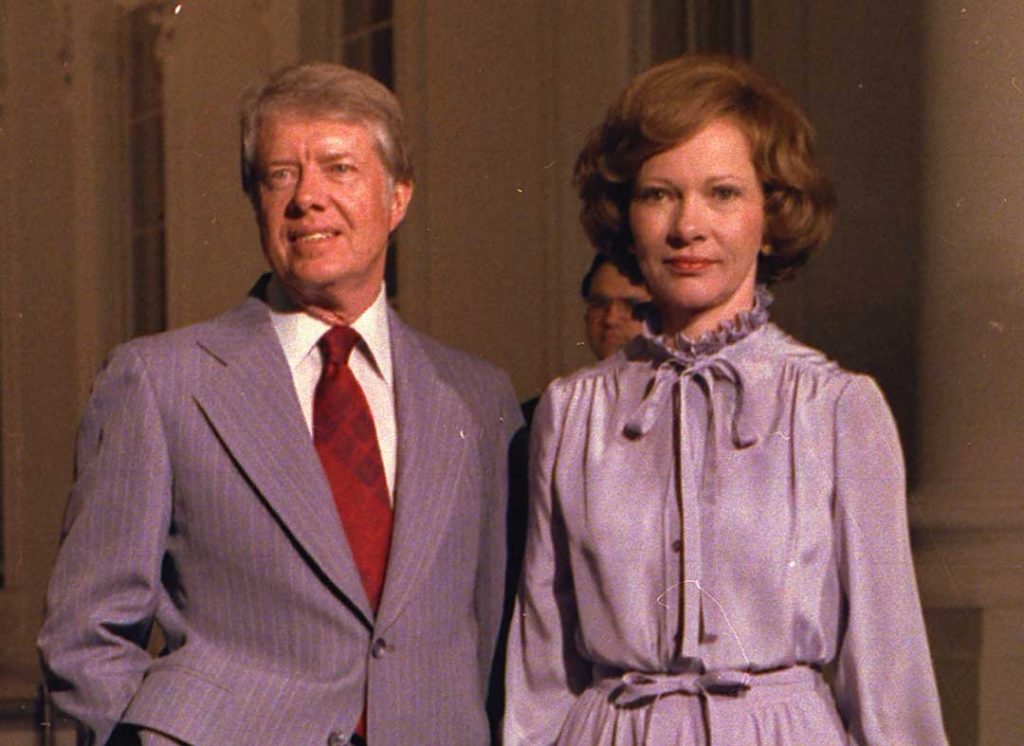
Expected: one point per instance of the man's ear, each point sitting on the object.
(401, 195)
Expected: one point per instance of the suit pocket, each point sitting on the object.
(181, 703)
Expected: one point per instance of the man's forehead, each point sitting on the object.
(611, 283)
(326, 135)
(313, 119)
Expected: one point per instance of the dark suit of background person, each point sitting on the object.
(200, 503)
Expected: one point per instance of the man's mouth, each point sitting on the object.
(311, 237)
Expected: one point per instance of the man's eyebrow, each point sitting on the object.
(333, 153)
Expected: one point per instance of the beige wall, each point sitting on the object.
(500, 97)
(210, 52)
(919, 110)
(59, 305)
(970, 505)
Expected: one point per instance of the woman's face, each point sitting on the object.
(697, 216)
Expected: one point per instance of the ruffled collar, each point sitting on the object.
(687, 352)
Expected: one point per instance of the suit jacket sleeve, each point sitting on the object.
(105, 585)
(490, 583)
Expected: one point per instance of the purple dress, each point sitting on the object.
(711, 524)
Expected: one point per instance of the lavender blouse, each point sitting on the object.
(718, 509)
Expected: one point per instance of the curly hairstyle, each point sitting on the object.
(329, 91)
(670, 103)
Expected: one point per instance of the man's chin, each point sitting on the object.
(611, 345)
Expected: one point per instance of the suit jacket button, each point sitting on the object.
(378, 648)
(338, 738)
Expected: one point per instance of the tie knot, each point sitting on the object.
(336, 344)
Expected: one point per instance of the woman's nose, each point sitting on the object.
(688, 224)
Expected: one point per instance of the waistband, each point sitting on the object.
(627, 688)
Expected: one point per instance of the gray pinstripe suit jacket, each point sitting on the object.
(199, 503)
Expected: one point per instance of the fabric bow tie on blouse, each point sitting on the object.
(679, 357)
(707, 361)
(346, 441)
(671, 370)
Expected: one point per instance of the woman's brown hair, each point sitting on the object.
(667, 105)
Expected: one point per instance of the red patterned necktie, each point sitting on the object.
(346, 440)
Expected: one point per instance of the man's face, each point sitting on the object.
(611, 310)
(326, 208)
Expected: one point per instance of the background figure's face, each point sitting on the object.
(611, 314)
(698, 223)
(326, 208)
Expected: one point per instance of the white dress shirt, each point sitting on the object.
(370, 362)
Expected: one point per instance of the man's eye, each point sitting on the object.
(279, 177)
(339, 169)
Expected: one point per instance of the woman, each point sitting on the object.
(717, 511)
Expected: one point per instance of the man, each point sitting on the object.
(321, 539)
(613, 305)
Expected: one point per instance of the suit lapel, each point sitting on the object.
(249, 399)
(433, 428)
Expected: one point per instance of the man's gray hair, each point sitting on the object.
(324, 90)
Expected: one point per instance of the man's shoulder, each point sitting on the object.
(238, 323)
(477, 381)
(450, 362)
(175, 355)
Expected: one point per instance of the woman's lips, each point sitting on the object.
(688, 265)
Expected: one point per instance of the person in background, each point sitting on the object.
(306, 495)
(614, 307)
(718, 513)
(613, 313)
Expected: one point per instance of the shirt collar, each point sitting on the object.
(298, 332)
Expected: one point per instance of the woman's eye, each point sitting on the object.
(725, 192)
(652, 194)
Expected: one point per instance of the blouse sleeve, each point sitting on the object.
(545, 673)
(885, 687)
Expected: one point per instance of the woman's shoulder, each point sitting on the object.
(601, 374)
(774, 347)
(599, 384)
(777, 359)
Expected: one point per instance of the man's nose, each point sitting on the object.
(618, 311)
(309, 191)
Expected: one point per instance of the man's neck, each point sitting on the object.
(342, 311)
